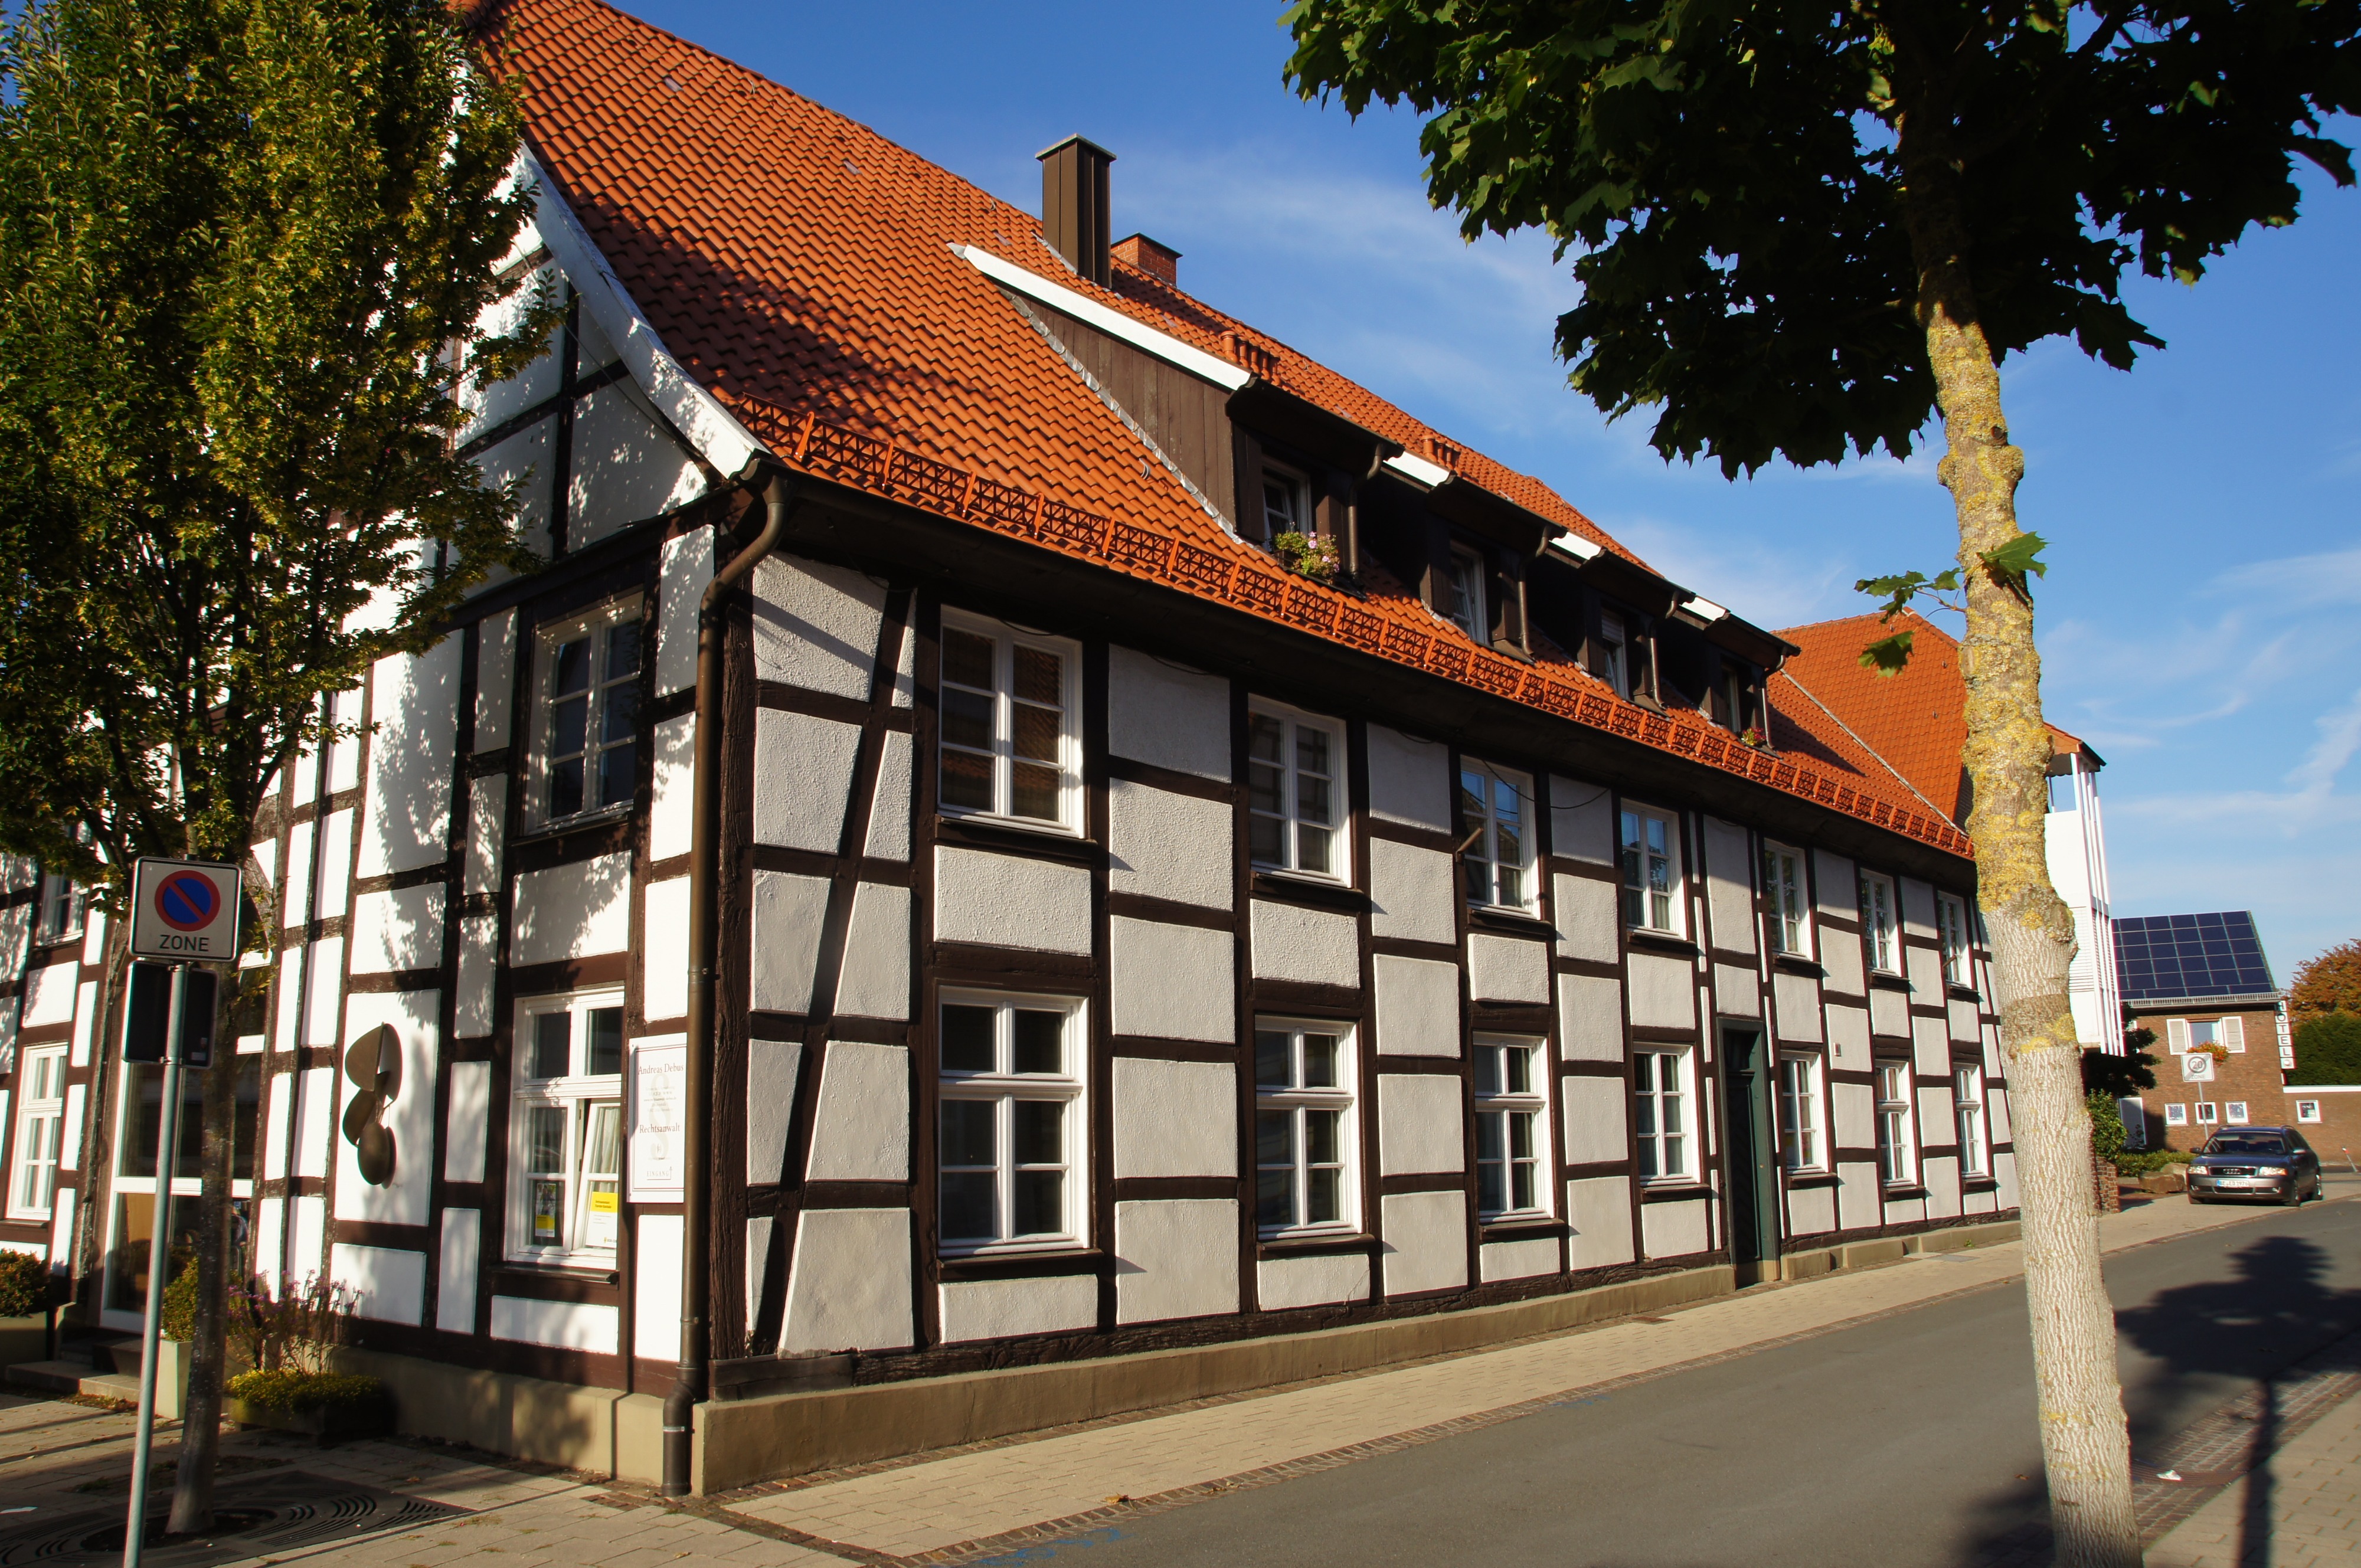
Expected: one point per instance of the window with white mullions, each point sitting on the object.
(1295, 792)
(1009, 1156)
(1499, 856)
(40, 1130)
(1878, 934)
(1968, 1109)
(1782, 890)
(1660, 1115)
(1611, 661)
(566, 1128)
(1800, 1146)
(1897, 1140)
(1304, 1128)
(1463, 597)
(1511, 1129)
(1010, 741)
(1286, 503)
(588, 714)
(1651, 870)
(1952, 926)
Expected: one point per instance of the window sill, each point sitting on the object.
(588, 820)
(534, 1269)
(1295, 887)
(1979, 1184)
(1804, 1179)
(1883, 980)
(1659, 941)
(1006, 832)
(1521, 1228)
(1314, 1243)
(1020, 1265)
(1672, 1190)
(1904, 1192)
(1510, 922)
(1964, 993)
(1797, 963)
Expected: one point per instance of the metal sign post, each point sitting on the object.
(159, 1261)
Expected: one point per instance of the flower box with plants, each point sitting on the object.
(287, 1337)
(24, 1307)
(1309, 556)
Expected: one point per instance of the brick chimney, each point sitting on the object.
(1154, 258)
(1074, 205)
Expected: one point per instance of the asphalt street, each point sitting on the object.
(1908, 1440)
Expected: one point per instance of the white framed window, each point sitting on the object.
(61, 908)
(1898, 1139)
(1879, 936)
(566, 1128)
(1286, 502)
(1494, 810)
(1613, 664)
(41, 1130)
(1951, 927)
(1010, 1163)
(2208, 1114)
(1802, 1141)
(1511, 1128)
(2306, 1109)
(1782, 888)
(1295, 792)
(1968, 1111)
(1661, 1093)
(1011, 724)
(2233, 1113)
(2176, 1115)
(586, 714)
(1651, 869)
(1306, 1130)
(1463, 597)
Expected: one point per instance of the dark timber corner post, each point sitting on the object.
(697, 1109)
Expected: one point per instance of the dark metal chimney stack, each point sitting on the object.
(1074, 205)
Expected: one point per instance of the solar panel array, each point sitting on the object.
(2170, 956)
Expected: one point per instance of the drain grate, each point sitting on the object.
(257, 1516)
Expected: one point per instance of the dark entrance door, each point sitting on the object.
(1754, 1169)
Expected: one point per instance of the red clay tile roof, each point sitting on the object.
(799, 265)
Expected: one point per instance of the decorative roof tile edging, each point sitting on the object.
(885, 468)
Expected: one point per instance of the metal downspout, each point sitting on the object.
(697, 1109)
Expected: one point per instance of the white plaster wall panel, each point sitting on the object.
(1410, 780)
(861, 1129)
(672, 791)
(563, 1325)
(1942, 1175)
(1598, 1213)
(626, 468)
(1412, 892)
(270, 1239)
(487, 815)
(1980, 1202)
(1917, 905)
(1507, 969)
(771, 1070)
(906, 670)
(400, 928)
(1673, 1230)
(1962, 1017)
(1889, 1012)
(1175, 1118)
(278, 1125)
(684, 569)
(467, 1124)
(287, 998)
(1419, 1124)
(85, 1023)
(345, 755)
(664, 950)
(1425, 1242)
(16, 931)
(1859, 1198)
(1590, 1018)
(655, 1287)
(1517, 1260)
(1797, 1001)
(456, 1259)
(1737, 992)
(1589, 926)
(62, 1225)
(889, 808)
(803, 778)
(295, 902)
(49, 994)
(575, 911)
(524, 459)
(2002, 1130)
(815, 626)
(1005, 1309)
(402, 1200)
(70, 1134)
(1730, 885)
(479, 962)
(488, 403)
(1853, 1114)
(1314, 946)
(1175, 1259)
(1284, 1282)
(336, 889)
(1595, 1120)
(388, 1285)
(1010, 901)
(1907, 1211)
(1811, 1211)
(1167, 714)
(316, 1117)
(1837, 884)
(1418, 1007)
(1925, 970)
(1664, 991)
(848, 1281)
(8, 1008)
(1173, 982)
(1162, 845)
(1933, 1040)
(1936, 1123)
(875, 979)
(1581, 823)
(495, 679)
(2004, 1173)
(308, 1254)
(323, 996)
(1849, 1036)
(757, 1260)
(414, 700)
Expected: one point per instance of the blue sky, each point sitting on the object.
(2204, 509)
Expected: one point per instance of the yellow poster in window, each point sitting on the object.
(605, 1202)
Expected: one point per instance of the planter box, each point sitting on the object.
(23, 1340)
(2164, 1181)
(323, 1423)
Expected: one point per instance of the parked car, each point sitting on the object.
(2255, 1162)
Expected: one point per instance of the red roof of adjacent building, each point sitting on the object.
(800, 267)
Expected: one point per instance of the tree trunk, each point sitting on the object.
(192, 1485)
(2085, 1446)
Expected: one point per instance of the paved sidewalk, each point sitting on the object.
(2300, 1508)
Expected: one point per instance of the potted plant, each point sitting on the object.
(287, 1338)
(24, 1308)
(1308, 556)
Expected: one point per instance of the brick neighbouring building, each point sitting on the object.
(2201, 982)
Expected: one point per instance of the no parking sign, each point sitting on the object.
(185, 910)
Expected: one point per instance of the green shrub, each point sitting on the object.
(24, 1285)
(2107, 1133)
(2328, 1049)
(180, 1319)
(287, 1390)
(2148, 1162)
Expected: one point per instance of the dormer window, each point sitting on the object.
(1613, 659)
(1738, 707)
(1286, 502)
(1463, 596)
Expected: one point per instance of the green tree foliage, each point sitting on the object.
(2328, 1049)
(2121, 1077)
(2107, 1132)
